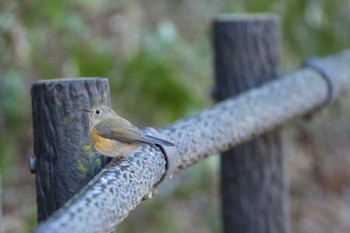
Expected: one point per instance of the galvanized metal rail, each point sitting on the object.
(112, 194)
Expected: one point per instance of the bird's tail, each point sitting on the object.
(156, 140)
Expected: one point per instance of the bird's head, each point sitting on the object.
(99, 112)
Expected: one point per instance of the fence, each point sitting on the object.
(246, 56)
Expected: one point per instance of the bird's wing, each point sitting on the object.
(128, 135)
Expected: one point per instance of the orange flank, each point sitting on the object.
(103, 145)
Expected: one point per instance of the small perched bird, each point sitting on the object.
(114, 136)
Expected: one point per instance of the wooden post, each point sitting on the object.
(253, 179)
(65, 160)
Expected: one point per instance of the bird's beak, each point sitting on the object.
(87, 110)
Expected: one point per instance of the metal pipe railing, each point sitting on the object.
(117, 189)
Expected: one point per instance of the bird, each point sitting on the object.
(114, 136)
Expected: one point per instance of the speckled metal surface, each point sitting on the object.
(111, 195)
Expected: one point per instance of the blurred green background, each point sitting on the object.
(158, 58)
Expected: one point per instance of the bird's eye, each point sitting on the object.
(98, 111)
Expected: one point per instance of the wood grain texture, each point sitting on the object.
(65, 160)
(253, 178)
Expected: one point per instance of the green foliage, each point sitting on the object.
(93, 61)
(153, 77)
(156, 218)
(12, 96)
(13, 114)
(7, 159)
(310, 28)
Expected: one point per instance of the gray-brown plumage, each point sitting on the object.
(114, 136)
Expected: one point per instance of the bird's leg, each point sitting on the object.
(115, 160)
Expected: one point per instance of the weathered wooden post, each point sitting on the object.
(253, 177)
(64, 159)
